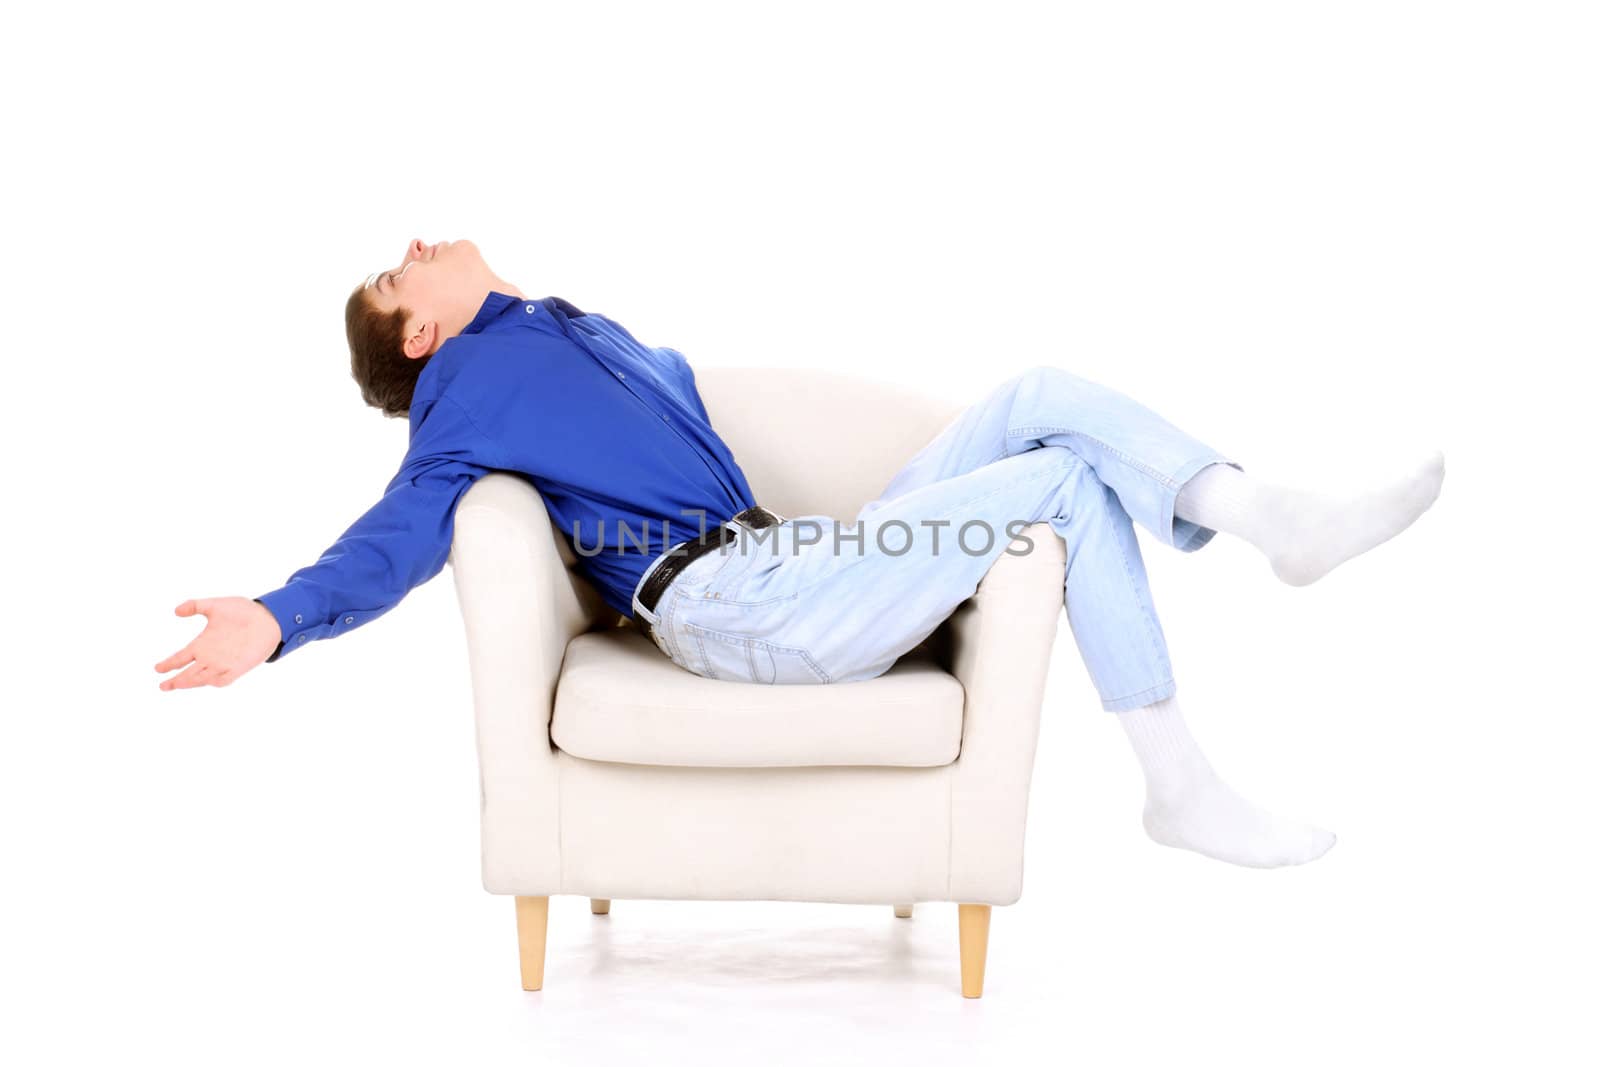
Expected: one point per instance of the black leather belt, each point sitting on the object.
(684, 553)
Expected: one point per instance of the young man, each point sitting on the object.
(614, 436)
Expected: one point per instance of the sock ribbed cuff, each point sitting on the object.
(1221, 498)
(1158, 733)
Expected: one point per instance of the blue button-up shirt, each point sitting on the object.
(612, 433)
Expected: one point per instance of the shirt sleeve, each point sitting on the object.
(400, 542)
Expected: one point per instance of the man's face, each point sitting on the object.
(441, 286)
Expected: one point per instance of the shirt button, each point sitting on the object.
(348, 619)
(665, 417)
(298, 619)
(621, 376)
(302, 639)
(531, 308)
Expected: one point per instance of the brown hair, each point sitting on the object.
(378, 361)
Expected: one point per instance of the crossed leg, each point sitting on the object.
(1128, 465)
(1177, 487)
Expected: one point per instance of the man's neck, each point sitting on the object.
(503, 286)
(497, 285)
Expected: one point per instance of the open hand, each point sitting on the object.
(239, 635)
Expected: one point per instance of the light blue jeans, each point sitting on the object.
(815, 601)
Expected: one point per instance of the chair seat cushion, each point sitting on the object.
(619, 699)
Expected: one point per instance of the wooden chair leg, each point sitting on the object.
(974, 923)
(533, 918)
(599, 906)
(902, 911)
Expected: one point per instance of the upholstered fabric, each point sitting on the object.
(621, 700)
(556, 822)
(770, 419)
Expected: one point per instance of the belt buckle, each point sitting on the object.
(772, 517)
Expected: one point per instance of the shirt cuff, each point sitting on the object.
(297, 621)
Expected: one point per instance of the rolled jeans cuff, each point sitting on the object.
(1163, 691)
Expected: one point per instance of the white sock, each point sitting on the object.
(1188, 806)
(1306, 534)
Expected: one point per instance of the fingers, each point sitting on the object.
(180, 658)
(185, 654)
(197, 674)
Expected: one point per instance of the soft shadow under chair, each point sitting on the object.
(609, 772)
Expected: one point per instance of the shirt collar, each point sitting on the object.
(493, 305)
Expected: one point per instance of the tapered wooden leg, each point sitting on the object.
(902, 911)
(974, 922)
(533, 915)
(599, 906)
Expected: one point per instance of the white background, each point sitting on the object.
(1325, 238)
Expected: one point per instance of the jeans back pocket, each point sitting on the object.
(713, 654)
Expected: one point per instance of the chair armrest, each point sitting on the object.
(998, 645)
(522, 602)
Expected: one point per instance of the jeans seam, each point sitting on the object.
(1127, 570)
(1024, 431)
(667, 610)
(699, 640)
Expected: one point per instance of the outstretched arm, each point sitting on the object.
(400, 542)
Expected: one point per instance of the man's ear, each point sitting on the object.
(420, 342)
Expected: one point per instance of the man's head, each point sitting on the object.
(397, 318)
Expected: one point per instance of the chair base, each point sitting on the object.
(533, 920)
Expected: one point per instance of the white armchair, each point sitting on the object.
(609, 772)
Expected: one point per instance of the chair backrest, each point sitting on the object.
(814, 442)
